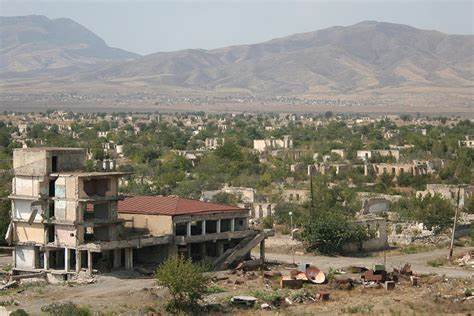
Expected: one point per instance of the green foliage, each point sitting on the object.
(185, 281)
(360, 309)
(267, 222)
(19, 312)
(226, 198)
(328, 232)
(65, 309)
(433, 211)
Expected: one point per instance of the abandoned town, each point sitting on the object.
(149, 213)
(236, 157)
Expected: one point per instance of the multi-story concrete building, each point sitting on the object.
(65, 220)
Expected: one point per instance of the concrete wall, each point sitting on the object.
(37, 161)
(29, 186)
(157, 225)
(112, 187)
(21, 209)
(25, 257)
(26, 233)
(65, 235)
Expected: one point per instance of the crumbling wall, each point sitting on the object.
(21, 209)
(29, 233)
(157, 225)
(30, 163)
(25, 257)
(65, 235)
(29, 186)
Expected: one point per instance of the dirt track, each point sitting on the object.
(417, 260)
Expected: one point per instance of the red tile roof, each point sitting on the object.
(170, 205)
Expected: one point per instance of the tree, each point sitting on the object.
(330, 231)
(185, 281)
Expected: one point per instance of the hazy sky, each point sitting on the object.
(150, 26)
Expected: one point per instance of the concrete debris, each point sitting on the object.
(290, 283)
(243, 300)
(8, 285)
(265, 306)
(466, 260)
(271, 274)
(249, 265)
(323, 296)
(406, 270)
(414, 280)
(389, 285)
(28, 276)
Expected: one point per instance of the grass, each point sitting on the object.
(273, 297)
(213, 289)
(415, 249)
(436, 262)
(360, 309)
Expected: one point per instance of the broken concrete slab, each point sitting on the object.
(243, 300)
(290, 283)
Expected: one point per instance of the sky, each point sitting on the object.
(146, 27)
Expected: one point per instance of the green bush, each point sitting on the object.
(65, 309)
(185, 281)
(330, 231)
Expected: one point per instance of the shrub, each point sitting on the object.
(330, 231)
(65, 309)
(185, 281)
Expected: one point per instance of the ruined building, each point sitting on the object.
(65, 220)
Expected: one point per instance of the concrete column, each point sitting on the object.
(232, 224)
(262, 252)
(128, 258)
(66, 259)
(117, 258)
(89, 262)
(218, 226)
(78, 260)
(220, 248)
(188, 229)
(46, 259)
(203, 227)
(14, 257)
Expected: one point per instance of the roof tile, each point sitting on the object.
(170, 205)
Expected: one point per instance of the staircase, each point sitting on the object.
(241, 249)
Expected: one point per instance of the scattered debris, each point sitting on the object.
(243, 300)
(389, 285)
(315, 275)
(323, 296)
(8, 285)
(265, 306)
(290, 283)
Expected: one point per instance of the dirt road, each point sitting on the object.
(418, 261)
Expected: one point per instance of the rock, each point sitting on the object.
(243, 300)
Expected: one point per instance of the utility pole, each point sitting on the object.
(311, 192)
(291, 224)
(450, 256)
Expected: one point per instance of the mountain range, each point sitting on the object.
(366, 59)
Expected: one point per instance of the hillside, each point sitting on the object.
(363, 56)
(36, 43)
(384, 63)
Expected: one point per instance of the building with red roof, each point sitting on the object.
(200, 230)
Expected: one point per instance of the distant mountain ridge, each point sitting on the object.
(370, 59)
(365, 55)
(35, 43)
